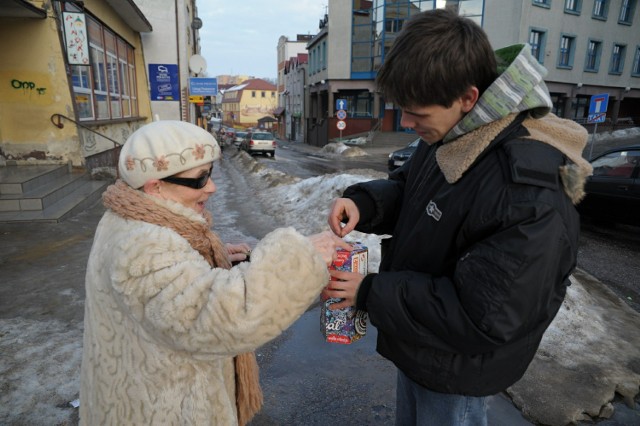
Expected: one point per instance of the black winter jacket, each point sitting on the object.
(475, 270)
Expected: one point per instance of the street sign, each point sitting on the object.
(341, 104)
(341, 125)
(341, 114)
(598, 103)
(597, 118)
(203, 86)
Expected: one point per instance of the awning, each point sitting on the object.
(20, 9)
(278, 111)
(131, 14)
(267, 119)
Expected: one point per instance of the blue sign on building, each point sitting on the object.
(341, 104)
(165, 84)
(200, 86)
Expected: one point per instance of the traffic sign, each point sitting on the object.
(341, 104)
(598, 103)
(341, 125)
(597, 118)
(342, 114)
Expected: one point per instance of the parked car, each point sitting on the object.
(239, 138)
(259, 142)
(613, 191)
(397, 158)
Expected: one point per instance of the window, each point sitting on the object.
(543, 3)
(572, 6)
(537, 42)
(263, 94)
(635, 70)
(617, 59)
(617, 164)
(106, 89)
(600, 9)
(592, 61)
(253, 93)
(626, 11)
(565, 58)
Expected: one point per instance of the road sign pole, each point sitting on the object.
(593, 140)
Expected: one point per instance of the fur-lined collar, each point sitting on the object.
(455, 157)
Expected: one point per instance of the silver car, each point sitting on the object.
(259, 142)
(239, 138)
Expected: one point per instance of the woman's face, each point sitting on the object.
(193, 198)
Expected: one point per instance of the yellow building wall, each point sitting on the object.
(34, 85)
(252, 109)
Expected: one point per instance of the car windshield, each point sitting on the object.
(241, 134)
(261, 136)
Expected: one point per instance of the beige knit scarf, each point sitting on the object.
(132, 204)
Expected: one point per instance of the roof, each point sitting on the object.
(254, 84)
(131, 14)
(20, 9)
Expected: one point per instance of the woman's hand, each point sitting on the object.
(238, 252)
(327, 245)
(343, 285)
(341, 209)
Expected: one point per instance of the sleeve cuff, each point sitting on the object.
(363, 292)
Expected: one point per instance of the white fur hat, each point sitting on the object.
(165, 148)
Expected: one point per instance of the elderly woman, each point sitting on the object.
(169, 325)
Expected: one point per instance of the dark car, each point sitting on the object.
(397, 158)
(613, 191)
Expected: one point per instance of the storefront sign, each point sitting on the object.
(76, 39)
(203, 86)
(164, 81)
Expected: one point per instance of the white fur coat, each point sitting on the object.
(162, 327)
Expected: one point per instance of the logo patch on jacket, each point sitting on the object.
(433, 211)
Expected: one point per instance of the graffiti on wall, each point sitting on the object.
(27, 86)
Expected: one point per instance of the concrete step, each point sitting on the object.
(88, 193)
(21, 179)
(45, 193)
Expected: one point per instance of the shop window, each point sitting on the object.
(106, 88)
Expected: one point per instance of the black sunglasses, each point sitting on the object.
(195, 183)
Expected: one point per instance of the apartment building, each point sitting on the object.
(588, 46)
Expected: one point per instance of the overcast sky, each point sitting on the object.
(241, 37)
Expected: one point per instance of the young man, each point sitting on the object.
(482, 218)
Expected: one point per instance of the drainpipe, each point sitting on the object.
(178, 60)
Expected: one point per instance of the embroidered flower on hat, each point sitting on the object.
(161, 163)
(198, 152)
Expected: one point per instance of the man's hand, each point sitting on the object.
(341, 209)
(343, 285)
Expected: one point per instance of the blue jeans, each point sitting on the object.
(417, 405)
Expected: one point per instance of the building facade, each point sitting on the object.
(295, 71)
(246, 103)
(167, 54)
(73, 79)
(588, 46)
(286, 50)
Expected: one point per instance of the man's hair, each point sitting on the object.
(436, 57)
